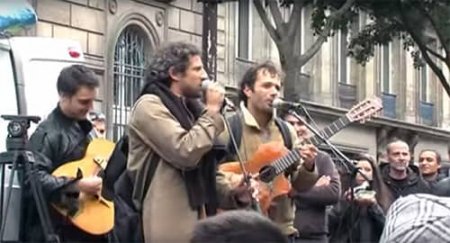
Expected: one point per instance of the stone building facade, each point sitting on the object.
(118, 35)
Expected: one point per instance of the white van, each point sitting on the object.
(29, 68)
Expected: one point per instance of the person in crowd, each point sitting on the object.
(61, 138)
(359, 216)
(98, 120)
(429, 165)
(259, 87)
(401, 177)
(418, 218)
(310, 212)
(171, 130)
(237, 226)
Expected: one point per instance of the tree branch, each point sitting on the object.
(267, 24)
(436, 30)
(301, 60)
(277, 18)
(295, 18)
(435, 69)
(422, 47)
(338, 13)
(434, 53)
(304, 58)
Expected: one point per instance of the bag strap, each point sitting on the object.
(236, 131)
(284, 129)
(154, 161)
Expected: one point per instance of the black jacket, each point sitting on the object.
(414, 183)
(349, 222)
(56, 141)
(442, 188)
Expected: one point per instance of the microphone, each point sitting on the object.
(226, 102)
(279, 103)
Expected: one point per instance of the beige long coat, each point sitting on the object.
(167, 216)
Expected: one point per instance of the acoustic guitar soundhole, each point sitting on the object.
(267, 173)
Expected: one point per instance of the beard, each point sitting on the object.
(192, 93)
(399, 166)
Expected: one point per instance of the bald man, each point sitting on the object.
(401, 177)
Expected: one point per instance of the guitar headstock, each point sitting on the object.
(364, 110)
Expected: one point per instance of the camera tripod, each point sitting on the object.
(18, 162)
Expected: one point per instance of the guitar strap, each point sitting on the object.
(284, 129)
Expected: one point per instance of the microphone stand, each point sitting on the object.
(348, 163)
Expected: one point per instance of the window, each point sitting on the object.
(344, 62)
(130, 59)
(385, 66)
(347, 91)
(425, 77)
(424, 89)
(426, 107)
(244, 29)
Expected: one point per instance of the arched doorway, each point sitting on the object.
(130, 59)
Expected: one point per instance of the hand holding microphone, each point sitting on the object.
(215, 97)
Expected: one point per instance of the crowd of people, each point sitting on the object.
(177, 138)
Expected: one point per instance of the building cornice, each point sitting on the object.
(327, 111)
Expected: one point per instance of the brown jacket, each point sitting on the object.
(167, 215)
(282, 213)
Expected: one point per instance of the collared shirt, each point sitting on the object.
(250, 121)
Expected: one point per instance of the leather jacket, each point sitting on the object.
(56, 141)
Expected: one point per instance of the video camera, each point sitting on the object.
(17, 130)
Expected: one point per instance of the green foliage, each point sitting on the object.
(413, 21)
(391, 19)
(422, 25)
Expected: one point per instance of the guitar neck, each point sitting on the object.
(330, 130)
(293, 156)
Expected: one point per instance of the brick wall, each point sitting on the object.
(81, 20)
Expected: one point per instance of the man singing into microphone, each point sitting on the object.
(259, 87)
(169, 128)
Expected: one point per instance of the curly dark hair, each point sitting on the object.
(174, 55)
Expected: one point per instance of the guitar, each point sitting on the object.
(94, 214)
(273, 158)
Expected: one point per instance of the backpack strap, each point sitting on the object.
(154, 161)
(236, 131)
(284, 129)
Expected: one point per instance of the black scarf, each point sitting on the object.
(201, 181)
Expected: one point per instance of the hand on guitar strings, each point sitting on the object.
(90, 185)
(244, 193)
(308, 152)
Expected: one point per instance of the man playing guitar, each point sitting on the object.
(259, 87)
(61, 138)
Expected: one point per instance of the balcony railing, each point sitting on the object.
(389, 105)
(347, 95)
(426, 113)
